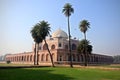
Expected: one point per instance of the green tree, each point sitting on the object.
(84, 44)
(84, 25)
(68, 10)
(37, 40)
(39, 33)
(44, 31)
(85, 48)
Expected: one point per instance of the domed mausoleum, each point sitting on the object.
(58, 45)
(59, 33)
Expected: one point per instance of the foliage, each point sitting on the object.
(116, 59)
(84, 25)
(67, 9)
(35, 34)
(85, 48)
(39, 33)
(84, 45)
(44, 29)
(8, 62)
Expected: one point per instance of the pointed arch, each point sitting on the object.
(66, 47)
(47, 57)
(44, 47)
(74, 47)
(42, 57)
(53, 56)
(53, 47)
(30, 57)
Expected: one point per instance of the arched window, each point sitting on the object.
(12, 58)
(47, 57)
(18, 58)
(31, 58)
(68, 57)
(73, 57)
(38, 56)
(73, 47)
(66, 47)
(53, 56)
(44, 47)
(59, 45)
(28, 58)
(15, 58)
(60, 58)
(22, 58)
(42, 57)
(92, 58)
(53, 46)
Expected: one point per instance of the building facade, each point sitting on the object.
(58, 45)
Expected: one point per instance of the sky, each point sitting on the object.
(17, 17)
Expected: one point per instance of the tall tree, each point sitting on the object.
(68, 10)
(39, 33)
(84, 25)
(44, 31)
(37, 40)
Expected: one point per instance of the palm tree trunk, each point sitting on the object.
(85, 51)
(70, 44)
(35, 55)
(49, 53)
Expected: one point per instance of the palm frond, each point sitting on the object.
(84, 25)
(67, 9)
(84, 44)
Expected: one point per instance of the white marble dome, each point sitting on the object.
(59, 33)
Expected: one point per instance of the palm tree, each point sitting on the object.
(84, 45)
(39, 33)
(37, 40)
(68, 10)
(81, 47)
(84, 25)
(44, 31)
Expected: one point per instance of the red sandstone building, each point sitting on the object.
(58, 45)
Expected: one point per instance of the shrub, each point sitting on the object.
(8, 62)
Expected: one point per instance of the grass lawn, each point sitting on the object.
(58, 73)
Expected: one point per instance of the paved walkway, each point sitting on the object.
(58, 65)
(98, 67)
(91, 67)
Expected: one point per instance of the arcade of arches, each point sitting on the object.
(58, 45)
(59, 56)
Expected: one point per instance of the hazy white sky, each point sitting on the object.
(17, 17)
